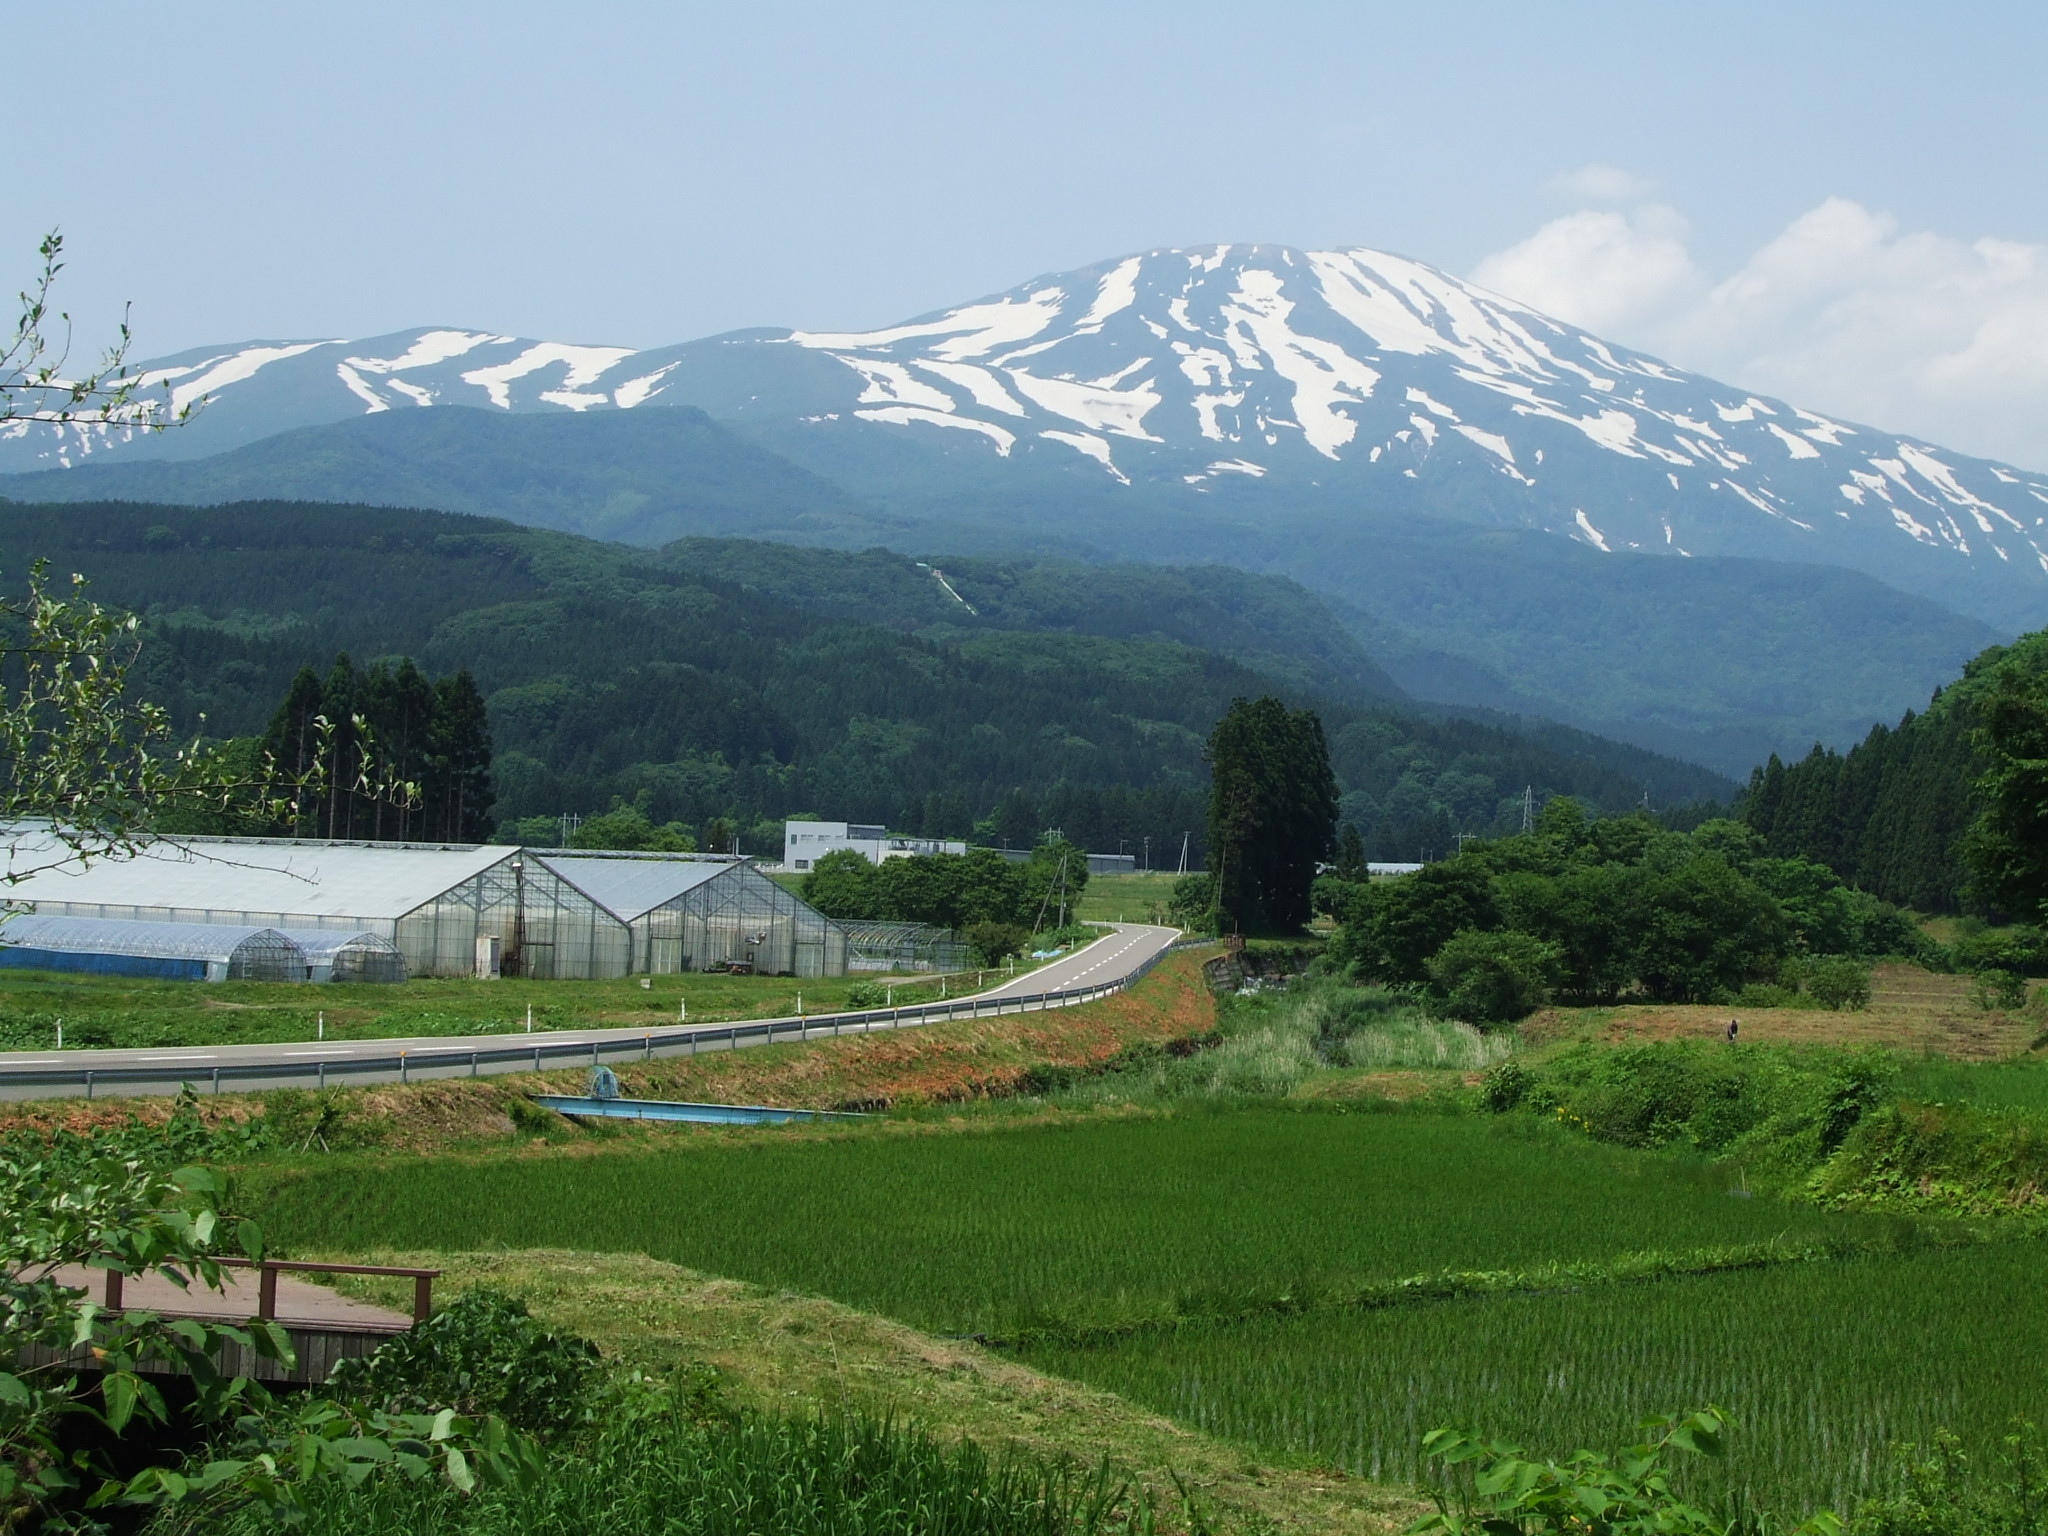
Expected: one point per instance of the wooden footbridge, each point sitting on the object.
(324, 1326)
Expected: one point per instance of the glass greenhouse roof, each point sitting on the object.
(631, 887)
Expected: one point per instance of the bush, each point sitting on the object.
(1999, 988)
(1193, 904)
(1935, 1492)
(993, 942)
(1492, 978)
(867, 994)
(1504, 1087)
(482, 1354)
(1839, 982)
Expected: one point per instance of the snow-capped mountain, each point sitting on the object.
(1239, 381)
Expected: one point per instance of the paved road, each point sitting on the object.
(244, 1068)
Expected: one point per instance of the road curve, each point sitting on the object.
(1103, 965)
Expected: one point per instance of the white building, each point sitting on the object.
(806, 842)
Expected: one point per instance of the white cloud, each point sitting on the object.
(1603, 184)
(1840, 312)
(1608, 272)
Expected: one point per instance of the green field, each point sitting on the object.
(123, 1011)
(1823, 1365)
(1125, 898)
(1078, 1222)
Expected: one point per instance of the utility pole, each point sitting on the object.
(1529, 809)
(1184, 851)
(1148, 853)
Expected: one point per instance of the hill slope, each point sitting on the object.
(682, 677)
(1229, 386)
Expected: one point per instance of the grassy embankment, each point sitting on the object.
(119, 1011)
(954, 1062)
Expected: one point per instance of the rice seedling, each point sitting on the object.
(1077, 1222)
(670, 1474)
(1824, 1366)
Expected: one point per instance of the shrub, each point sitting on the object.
(1492, 978)
(1504, 1087)
(1999, 988)
(1839, 982)
(993, 942)
(1193, 904)
(867, 994)
(482, 1354)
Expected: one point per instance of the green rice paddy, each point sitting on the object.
(1823, 1365)
(988, 1228)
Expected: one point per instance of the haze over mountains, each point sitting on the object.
(1507, 509)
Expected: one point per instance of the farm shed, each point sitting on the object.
(687, 914)
(172, 951)
(431, 901)
(336, 954)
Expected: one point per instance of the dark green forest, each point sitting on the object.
(749, 682)
(1893, 814)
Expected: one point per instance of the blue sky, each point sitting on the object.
(641, 174)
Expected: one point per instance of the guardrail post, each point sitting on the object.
(422, 1297)
(647, 1048)
(216, 1081)
(266, 1292)
(472, 1063)
(403, 1075)
(88, 1082)
(536, 1058)
(323, 1076)
(113, 1291)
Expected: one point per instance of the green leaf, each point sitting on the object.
(250, 1236)
(121, 1391)
(459, 1473)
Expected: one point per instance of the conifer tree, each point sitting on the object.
(1272, 813)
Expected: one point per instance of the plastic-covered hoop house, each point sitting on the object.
(176, 951)
(336, 954)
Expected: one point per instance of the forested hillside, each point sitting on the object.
(701, 684)
(1890, 815)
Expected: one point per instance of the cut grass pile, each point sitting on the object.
(1063, 1221)
(1823, 1365)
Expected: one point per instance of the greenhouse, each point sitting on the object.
(172, 951)
(336, 954)
(432, 902)
(704, 913)
(875, 946)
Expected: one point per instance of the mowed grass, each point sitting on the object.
(129, 1012)
(1069, 1220)
(1138, 898)
(1824, 1366)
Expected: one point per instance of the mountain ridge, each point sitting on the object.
(1223, 385)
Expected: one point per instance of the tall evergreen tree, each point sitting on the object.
(1272, 813)
(459, 809)
(295, 745)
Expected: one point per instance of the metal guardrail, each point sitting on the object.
(407, 1065)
